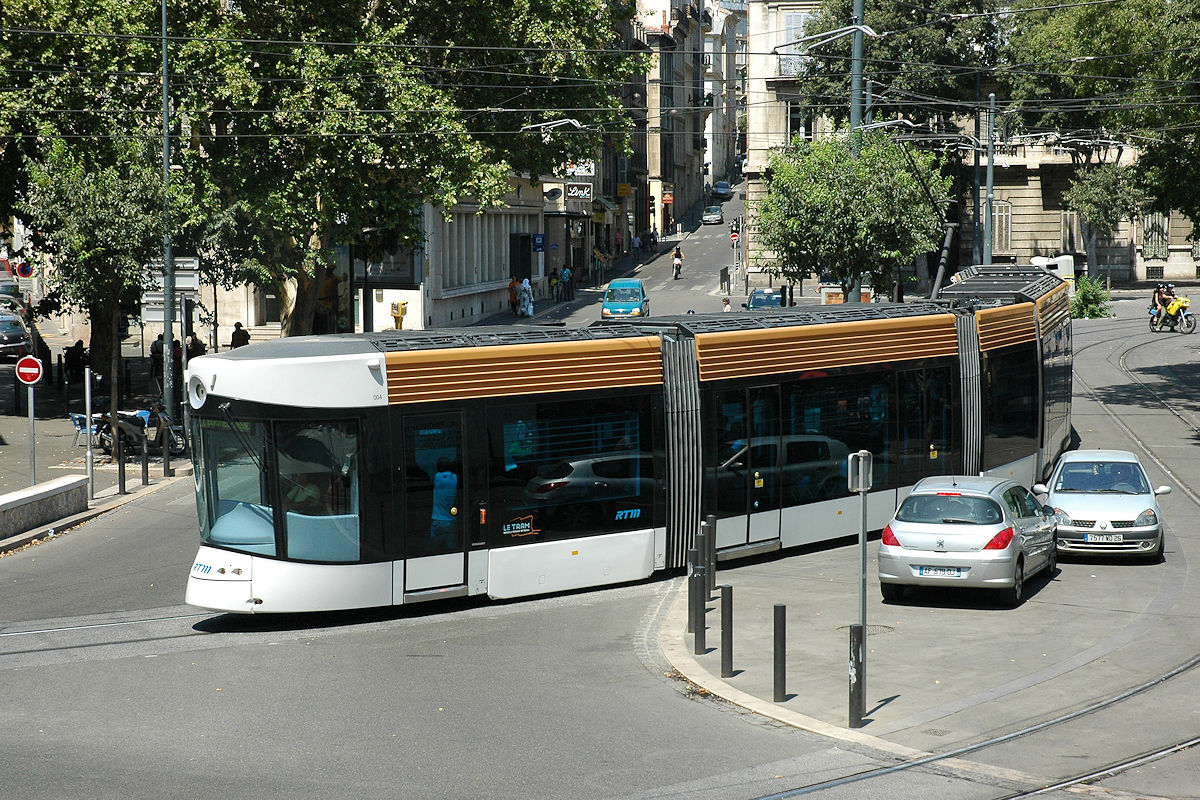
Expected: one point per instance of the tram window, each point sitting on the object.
(318, 487)
(1010, 406)
(826, 419)
(233, 497)
(567, 469)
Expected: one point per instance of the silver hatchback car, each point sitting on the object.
(973, 532)
(1105, 504)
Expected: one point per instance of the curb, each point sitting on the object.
(673, 642)
(102, 505)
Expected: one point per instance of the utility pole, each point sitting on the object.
(987, 220)
(168, 263)
(856, 114)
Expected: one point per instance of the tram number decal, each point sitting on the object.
(521, 526)
(629, 513)
(202, 569)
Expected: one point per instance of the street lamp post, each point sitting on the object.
(168, 263)
(987, 220)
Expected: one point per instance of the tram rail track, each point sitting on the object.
(1111, 768)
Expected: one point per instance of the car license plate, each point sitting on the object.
(1104, 537)
(938, 572)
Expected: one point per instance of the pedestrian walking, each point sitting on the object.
(568, 291)
(525, 299)
(637, 247)
(555, 284)
(513, 286)
(725, 305)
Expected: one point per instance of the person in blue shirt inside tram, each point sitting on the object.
(443, 528)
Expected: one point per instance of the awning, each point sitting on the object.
(607, 204)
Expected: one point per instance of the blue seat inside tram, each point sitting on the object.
(247, 525)
(323, 538)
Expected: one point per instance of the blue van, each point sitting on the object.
(625, 298)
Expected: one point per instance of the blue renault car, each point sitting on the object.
(625, 298)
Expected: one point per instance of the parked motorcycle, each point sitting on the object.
(1177, 317)
(155, 425)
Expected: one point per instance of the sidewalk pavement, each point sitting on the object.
(58, 452)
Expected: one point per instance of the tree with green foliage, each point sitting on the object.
(300, 127)
(828, 211)
(926, 65)
(1103, 197)
(100, 235)
(1091, 300)
(321, 124)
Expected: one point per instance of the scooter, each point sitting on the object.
(156, 426)
(1177, 317)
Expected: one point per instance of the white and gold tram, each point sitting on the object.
(365, 470)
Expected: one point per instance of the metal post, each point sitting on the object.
(701, 608)
(712, 551)
(780, 653)
(726, 631)
(145, 461)
(87, 413)
(32, 443)
(693, 590)
(168, 262)
(987, 220)
(702, 556)
(858, 675)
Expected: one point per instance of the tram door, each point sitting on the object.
(434, 481)
(747, 466)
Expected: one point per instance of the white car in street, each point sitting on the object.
(1105, 504)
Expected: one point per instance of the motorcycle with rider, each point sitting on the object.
(1169, 311)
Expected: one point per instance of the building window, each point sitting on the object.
(789, 51)
(1001, 226)
(800, 121)
(1156, 230)
(1072, 236)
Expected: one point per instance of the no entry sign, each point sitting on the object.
(29, 370)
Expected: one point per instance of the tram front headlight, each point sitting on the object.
(197, 392)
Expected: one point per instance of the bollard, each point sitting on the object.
(693, 590)
(858, 675)
(61, 373)
(726, 631)
(118, 451)
(780, 653)
(702, 556)
(712, 551)
(145, 461)
(701, 607)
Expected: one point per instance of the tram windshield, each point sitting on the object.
(298, 477)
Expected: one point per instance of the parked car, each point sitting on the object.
(14, 336)
(10, 288)
(761, 299)
(974, 532)
(712, 216)
(1105, 505)
(721, 190)
(11, 305)
(625, 298)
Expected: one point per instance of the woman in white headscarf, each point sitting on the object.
(525, 299)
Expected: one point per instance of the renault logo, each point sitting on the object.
(1103, 526)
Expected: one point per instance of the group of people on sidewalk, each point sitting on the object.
(645, 242)
(520, 293)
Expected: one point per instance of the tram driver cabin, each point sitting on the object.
(366, 470)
